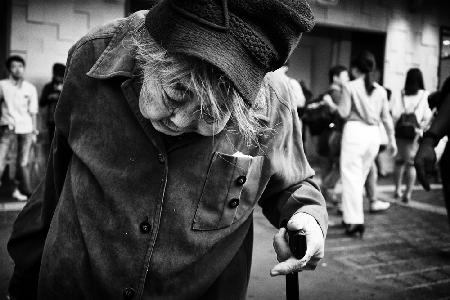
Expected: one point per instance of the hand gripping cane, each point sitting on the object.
(297, 244)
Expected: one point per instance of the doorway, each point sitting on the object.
(325, 47)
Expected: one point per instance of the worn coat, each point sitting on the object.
(127, 212)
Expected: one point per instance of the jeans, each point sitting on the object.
(24, 142)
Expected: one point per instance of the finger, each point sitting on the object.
(288, 266)
(296, 224)
(281, 246)
(313, 254)
(312, 263)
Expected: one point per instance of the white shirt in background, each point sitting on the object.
(413, 103)
(356, 105)
(19, 102)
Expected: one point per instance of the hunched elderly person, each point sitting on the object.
(168, 133)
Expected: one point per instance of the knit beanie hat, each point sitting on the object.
(245, 39)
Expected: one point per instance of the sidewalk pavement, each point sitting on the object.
(399, 258)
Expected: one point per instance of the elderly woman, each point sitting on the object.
(168, 133)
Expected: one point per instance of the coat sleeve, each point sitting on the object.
(30, 229)
(291, 188)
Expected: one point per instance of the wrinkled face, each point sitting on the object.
(17, 70)
(173, 106)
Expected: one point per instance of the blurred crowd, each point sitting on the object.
(19, 121)
(355, 120)
(349, 125)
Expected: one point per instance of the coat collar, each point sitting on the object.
(119, 57)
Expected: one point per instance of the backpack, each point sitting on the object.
(407, 124)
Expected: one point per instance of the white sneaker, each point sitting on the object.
(378, 206)
(19, 196)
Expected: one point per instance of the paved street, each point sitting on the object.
(399, 257)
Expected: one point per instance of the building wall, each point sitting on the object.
(42, 31)
(412, 37)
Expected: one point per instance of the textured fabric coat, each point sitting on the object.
(125, 212)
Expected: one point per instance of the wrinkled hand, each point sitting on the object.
(425, 161)
(315, 244)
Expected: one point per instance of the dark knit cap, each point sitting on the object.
(243, 38)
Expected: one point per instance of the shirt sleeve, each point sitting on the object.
(291, 188)
(33, 107)
(344, 103)
(386, 118)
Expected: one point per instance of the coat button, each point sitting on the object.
(241, 180)
(128, 293)
(233, 203)
(161, 158)
(145, 227)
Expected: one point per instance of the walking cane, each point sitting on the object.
(297, 244)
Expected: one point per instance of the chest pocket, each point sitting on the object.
(229, 192)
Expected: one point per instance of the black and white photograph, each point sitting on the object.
(224, 149)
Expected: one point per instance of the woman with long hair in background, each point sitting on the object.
(364, 105)
(409, 109)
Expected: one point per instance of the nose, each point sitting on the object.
(184, 118)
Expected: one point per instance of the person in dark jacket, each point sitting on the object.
(168, 134)
(50, 95)
(425, 158)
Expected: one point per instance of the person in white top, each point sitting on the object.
(19, 107)
(364, 106)
(413, 101)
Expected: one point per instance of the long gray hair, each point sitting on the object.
(215, 91)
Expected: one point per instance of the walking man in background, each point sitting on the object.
(19, 107)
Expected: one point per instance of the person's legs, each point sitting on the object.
(6, 138)
(410, 153)
(401, 162)
(329, 182)
(371, 183)
(398, 176)
(24, 142)
(375, 205)
(410, 181)
(352, 176)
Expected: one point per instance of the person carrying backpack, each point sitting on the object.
(411, 115)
